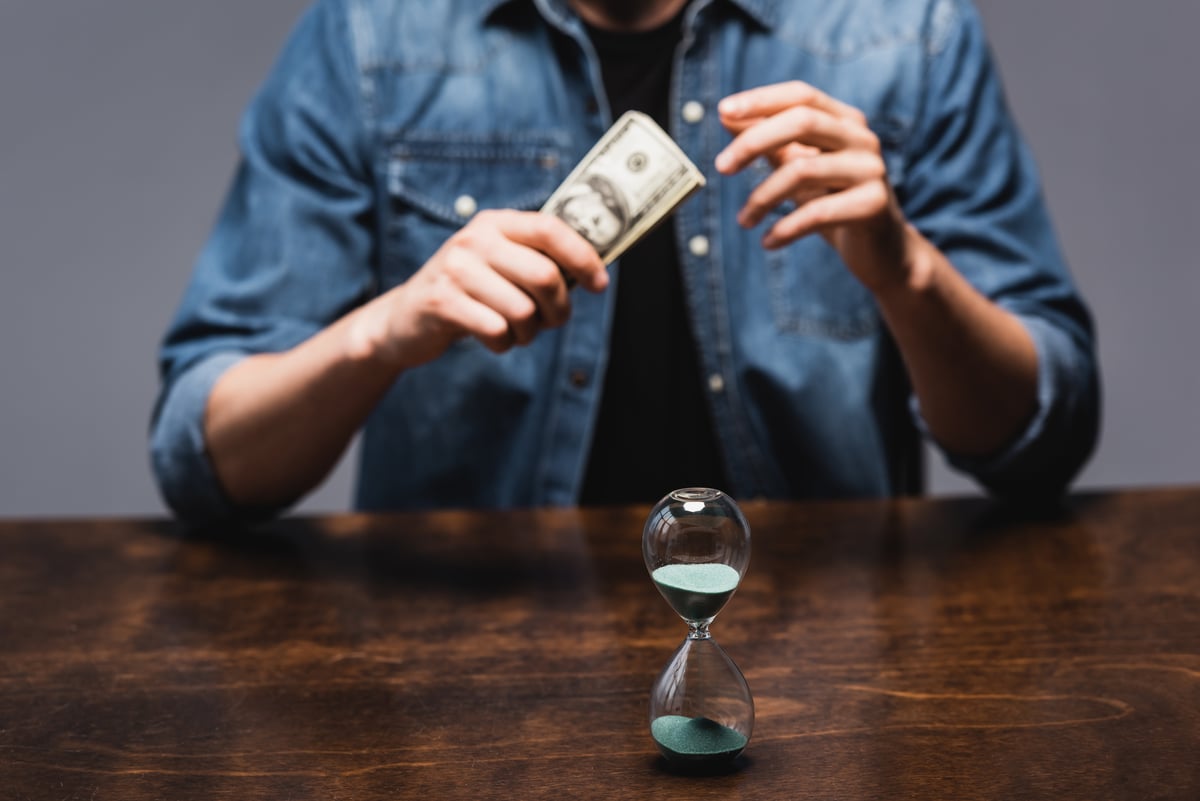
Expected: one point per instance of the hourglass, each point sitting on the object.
(696, 544)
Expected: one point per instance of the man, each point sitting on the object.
(871, 250)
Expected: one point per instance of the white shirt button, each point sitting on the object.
(692, 111)
(465, 206)
(698, 245)
(716, 383)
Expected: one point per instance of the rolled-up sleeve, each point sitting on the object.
(292, 250)
(972, 188)
(177, 448)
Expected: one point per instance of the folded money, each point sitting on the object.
(626, 185)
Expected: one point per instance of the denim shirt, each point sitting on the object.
(387, 123)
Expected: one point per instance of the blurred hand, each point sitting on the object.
(830, 164)
(502, 278)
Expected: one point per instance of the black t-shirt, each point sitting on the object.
(654, 433)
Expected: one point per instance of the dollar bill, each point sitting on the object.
(626, 185)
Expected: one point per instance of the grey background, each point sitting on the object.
(117, 125)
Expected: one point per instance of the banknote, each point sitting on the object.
(626, 185)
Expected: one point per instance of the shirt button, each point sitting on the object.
(716, 383)
(578, 378)
(465, 206)
(698, 245)
(692, 111)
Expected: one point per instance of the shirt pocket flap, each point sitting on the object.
(450, 176)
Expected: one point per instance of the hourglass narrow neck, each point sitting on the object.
(698, 630)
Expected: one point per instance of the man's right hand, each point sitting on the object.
(502, 278)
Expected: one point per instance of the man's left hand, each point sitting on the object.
(829, 163)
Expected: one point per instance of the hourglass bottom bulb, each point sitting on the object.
(701, 710)
(696, 740)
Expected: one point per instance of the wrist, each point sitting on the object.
(367, 339)
(919, 264)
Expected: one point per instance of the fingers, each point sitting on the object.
(534, 274)
(481, 321)
(514, 313)
(782, 154)
(502, 278)
(825, 159)
(804, 125)
(856, 204)
(767, 101)
(558, 241)
(807, 177)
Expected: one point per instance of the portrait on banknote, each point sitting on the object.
(596, 209)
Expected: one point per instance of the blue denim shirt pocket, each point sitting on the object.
(813, 294)
(438, 180)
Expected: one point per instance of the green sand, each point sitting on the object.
(696, 739)
(696, 592)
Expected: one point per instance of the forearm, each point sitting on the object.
(973, 365)
(276, 423)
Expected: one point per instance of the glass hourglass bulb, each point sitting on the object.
(696, 544)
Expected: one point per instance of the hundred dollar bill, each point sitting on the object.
(626, 184)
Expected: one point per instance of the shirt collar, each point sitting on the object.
(764, 12)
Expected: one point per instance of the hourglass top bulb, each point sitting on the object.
(696, 544)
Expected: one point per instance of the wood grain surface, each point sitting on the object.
(917, 649)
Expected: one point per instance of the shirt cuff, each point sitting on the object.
(178, 450)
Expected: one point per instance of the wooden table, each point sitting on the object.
(897, 650)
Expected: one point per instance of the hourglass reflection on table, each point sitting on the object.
(696, 544)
